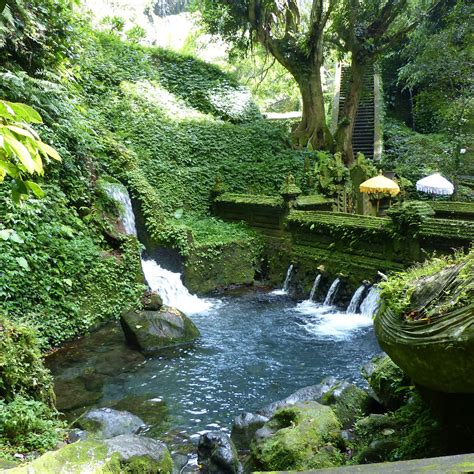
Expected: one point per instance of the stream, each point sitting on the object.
(256, 347)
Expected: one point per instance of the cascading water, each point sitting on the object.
(356, 300)
(286, 283)
(166, 283)
(371, 303)
(332, 292)
(118, 192)
(315, 287)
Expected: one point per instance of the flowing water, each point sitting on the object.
(314, 287)
(332, 292)
(255, 348)
(356, 300)
(286, 283)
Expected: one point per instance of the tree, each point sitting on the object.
(365, 30)
(21, 149)
(292, 32)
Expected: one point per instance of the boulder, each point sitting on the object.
(139, 453)
(302, 436)
(217, 454)
(432, 337)
(126, 453)
(151, 409)
(387, 381)
(244, 428)
(107, 423)
(151, 331)
(305, 394)
(348, 401)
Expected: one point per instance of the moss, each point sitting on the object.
(209, 268)
(387, 380)
(84, 456)
(304, 437)
(146, 465)
(252, 199)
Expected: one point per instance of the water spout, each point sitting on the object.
(371, 303)
(356, 300)
(286, 283)
(332, 292)
(315, 287)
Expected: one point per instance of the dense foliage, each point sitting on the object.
(28, 420)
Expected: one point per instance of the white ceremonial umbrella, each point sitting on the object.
(435, 184)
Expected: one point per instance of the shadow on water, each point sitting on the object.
(254, 348)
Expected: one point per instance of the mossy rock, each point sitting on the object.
(151, 331)
(301, 436)
(387, 381)
(348, 401)
(101, 457)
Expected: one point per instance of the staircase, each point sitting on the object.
(364, 135)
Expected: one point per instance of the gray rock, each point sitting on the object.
(244, 428)
(129, 445)
(217, 454)
(75, 435)
(107, 423)
(305, 394)
(179, 462)
(151, 331)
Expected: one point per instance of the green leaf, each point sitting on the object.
(9, 168)
(48, 150)
(14, 237)
(23, 263)
(35, 188)
(21, 152)
(25, 112)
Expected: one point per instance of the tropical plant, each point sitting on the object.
(21, 149)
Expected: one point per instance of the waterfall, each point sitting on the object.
(355, 300)
(166, 283)
(332, 292)
(315, 287)
(371, 303)
(171, 289)
(118, 192)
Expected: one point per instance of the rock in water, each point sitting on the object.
(132, 446)
(244, 428)
(107, 423)
(150, 331)
(299, 437)
(305, 394)
(217, 454)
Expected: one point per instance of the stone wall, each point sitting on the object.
(353, 247)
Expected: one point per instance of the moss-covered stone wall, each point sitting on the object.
(353, 247)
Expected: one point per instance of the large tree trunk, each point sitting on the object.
(347, 115)
(312, 128)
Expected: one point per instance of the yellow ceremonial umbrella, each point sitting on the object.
(379, 184)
